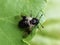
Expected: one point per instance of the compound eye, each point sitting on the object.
(34, 21)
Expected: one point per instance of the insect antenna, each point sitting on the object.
(39, 20)
(39, 17)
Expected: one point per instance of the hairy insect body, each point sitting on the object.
(27, 23)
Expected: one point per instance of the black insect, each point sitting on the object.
(27, 23)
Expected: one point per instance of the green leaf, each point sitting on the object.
(10, 34)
